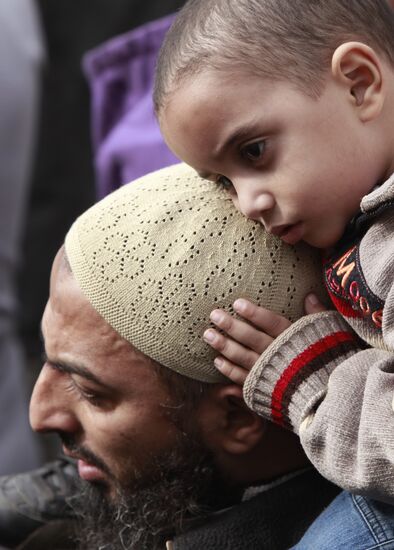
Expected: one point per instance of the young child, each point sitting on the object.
(290, 106)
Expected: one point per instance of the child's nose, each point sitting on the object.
(253, 205)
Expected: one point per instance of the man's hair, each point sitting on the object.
(289, 40)
(186, 394)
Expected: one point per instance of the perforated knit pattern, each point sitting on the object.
(155, 257)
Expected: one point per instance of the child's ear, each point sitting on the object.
(357, 67)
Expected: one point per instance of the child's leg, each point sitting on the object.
(351, 522)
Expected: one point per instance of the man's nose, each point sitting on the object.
(254, 205)
(50, 405)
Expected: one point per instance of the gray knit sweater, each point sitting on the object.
(332, 385)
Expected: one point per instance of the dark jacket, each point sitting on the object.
(274, 519)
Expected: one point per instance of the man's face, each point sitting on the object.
(296, 164)
(142, 467)
(101, 395)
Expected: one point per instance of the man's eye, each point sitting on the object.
(224, 182)
(92, 398)
(254, 151)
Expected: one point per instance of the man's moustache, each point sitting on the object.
(77, 451)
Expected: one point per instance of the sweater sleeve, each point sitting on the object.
(318, 380)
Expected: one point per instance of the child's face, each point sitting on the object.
(298, 165)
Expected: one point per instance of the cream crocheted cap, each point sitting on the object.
(157, 255)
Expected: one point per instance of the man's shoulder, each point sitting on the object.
(276, 517)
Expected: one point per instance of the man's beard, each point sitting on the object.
(186, 485)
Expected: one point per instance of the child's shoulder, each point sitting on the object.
(380, 198)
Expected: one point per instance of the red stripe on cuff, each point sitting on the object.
(297, 364)
(345, 307)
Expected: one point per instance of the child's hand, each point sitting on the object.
(243, 342)
(313, 305)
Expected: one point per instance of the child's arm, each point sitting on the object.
(316, 379)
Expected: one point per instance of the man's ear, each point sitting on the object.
(357, 67)
(228, 425)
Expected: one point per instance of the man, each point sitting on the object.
(167, 451)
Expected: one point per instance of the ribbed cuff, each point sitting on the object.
(291, 376)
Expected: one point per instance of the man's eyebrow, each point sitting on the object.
(72, 368)
(79, 370)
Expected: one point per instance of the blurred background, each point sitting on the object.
(54, 117)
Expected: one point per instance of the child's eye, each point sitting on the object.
(224, 182)
(254, 151)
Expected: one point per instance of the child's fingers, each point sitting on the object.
(231, 350)
(313, 304)
(233, 372)
(241, 331)
(264, 319)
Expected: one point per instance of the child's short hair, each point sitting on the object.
(280, 39)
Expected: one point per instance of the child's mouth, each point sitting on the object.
(290, 234)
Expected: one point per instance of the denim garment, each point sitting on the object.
(351, 522)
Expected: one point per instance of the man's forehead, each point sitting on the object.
(78, 338)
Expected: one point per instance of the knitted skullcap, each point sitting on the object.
(157, 255)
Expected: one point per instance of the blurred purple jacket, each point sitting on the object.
(126, 137)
